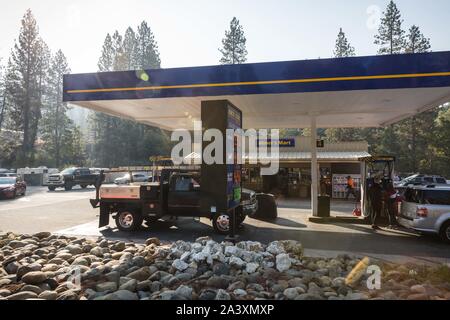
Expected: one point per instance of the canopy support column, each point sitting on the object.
(314, 168)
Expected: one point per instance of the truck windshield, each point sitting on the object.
(68, 171)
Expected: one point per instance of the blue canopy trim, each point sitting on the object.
(403, 71)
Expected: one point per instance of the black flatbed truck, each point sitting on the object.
(177, 194)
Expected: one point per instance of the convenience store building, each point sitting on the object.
(336, 161)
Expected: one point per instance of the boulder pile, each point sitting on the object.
(56, 267)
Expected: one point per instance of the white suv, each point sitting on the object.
(427, 209)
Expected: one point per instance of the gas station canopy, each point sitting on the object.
(345, 92)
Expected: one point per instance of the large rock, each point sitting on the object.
(48, 295)
(180, 265)
(218, 282)
(68, 295)
(251, 267)
(130, 285)
(106, 286)
(293, 247)
(4, 292)
(32, 288)
(283, 262)
(184, 291)
(15, 244)
(291, 293)
(74, 249)
(142, 274)
(150, 241)
(23, 295)
(42, 235)
(34, 277)
(118, 246)
(222, 295)
(12, 267)
(275, 248)
(237, 262)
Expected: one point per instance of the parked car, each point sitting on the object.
(419, 180)
(8, 174)
(137, 177)
(427, 209)
(71, 177)
(11, 187)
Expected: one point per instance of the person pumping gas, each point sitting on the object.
(350, 188)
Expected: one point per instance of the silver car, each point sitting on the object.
(427, 209)
(137, 177)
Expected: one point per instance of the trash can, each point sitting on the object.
(267, 207)
(323, 206)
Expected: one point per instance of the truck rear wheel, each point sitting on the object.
(51, 188)
(83, 186)
(68, 186)
(127, 220)
(221, 223)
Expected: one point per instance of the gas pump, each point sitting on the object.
(378, 175)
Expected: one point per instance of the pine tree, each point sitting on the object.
(416, 42)
(55, 121)
(440, 145)
(121, 142)
(413, 131)
(119, 63)
(391, 36)
(106, 60)
(343, 47)
(129, 49)
(25, 81)
(234, 44)
(147, 54)
(2, 95)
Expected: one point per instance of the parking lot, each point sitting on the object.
(69, 212)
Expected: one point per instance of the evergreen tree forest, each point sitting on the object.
(35, 128)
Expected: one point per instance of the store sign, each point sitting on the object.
(282, 143)
(320, 144)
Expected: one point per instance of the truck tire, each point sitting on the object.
(267, 207)
(445, 232)
(83, 186)
(221, 223)
(68, 186)
(128, 220)
(51, 188)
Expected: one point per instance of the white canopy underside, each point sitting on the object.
(339, 109)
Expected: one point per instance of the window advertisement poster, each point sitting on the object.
(234, 154)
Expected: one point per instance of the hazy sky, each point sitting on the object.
(189, 33)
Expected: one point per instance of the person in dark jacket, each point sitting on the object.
(390, 200)
(376, 197)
